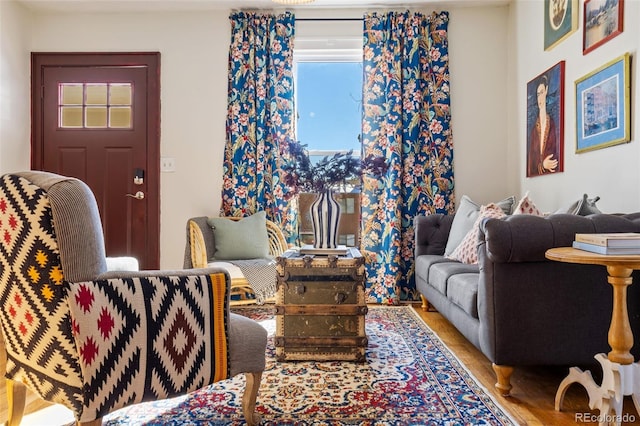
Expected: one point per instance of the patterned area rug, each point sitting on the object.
(410, 378)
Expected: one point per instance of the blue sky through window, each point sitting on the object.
(329, 103)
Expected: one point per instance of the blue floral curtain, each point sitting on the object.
(406, 119)
(259, 117)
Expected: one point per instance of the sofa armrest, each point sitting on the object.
(431, 233)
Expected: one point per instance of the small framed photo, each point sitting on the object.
(602, 22)
(602, 106)
(545, 122)
(560, 21)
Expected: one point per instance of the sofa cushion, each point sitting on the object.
(440, 273)
(424, 262)
(246, 238)
(465, 217)
(462, 289)
(467, 251)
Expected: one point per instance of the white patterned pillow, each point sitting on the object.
(467, 251)
(526, 206)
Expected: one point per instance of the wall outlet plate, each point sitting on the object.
(167, 164)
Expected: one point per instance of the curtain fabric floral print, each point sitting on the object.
(259, 117)
(407, 121)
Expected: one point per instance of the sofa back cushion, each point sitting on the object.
(526, 238)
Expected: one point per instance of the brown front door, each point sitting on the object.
(96, 117)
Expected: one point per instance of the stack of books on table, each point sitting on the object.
(615, 243)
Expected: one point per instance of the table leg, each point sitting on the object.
(600, 397)
(620, 335)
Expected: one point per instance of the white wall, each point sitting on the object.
(478, 48)
(15, 119)
(194, 50)
(611, 173)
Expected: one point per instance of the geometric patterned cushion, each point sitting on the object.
(33, 297)
(467, 251)
(148, 338)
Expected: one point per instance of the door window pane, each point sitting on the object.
(96, 94)
(95, 105)
(96, 117)
(72, 94)
(71, 116)
(120, 117)
(120, 94)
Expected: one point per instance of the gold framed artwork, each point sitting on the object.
(603, 106)
(560, 21)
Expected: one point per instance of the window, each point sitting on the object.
(329, 112)
(95, 105)
(329, 101)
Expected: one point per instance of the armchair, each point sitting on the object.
(200, 252)
(96, 340)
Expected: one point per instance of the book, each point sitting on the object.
(596, 248)
(338, 251)
(620, 239)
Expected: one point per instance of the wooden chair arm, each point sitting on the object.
(277, 241)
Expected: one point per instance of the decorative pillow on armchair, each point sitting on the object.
(246, 238)
(465, 217)
(467, 251)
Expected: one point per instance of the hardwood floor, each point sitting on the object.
(532, 397)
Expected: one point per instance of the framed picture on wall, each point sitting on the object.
(602, 106)
(545, 122)
(560, 21)
(602, 22)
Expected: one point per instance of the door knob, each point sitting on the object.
(138, 195)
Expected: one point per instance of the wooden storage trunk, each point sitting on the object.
(320, 307)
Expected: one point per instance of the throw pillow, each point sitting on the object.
(242, 239)
(467, 251)
(466, 215)
(526, 206)
(583, 207)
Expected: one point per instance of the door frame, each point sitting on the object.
(151, 60)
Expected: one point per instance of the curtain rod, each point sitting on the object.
(329, 19)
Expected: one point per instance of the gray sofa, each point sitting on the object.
(515, 306)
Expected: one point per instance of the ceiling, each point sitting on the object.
(194, 5)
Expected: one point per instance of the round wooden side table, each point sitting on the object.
(621, 376)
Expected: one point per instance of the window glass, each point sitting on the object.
(95, 105)
(329, 106)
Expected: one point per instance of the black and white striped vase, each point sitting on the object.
(325, 218)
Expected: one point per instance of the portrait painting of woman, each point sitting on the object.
(545, 122)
